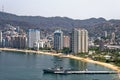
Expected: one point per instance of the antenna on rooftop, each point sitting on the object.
(2, 8)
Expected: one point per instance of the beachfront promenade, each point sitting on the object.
(113, 67)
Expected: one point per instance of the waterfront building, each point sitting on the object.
(43, 43)
(8, 41)
(50, 41)
(66, 40)
(58, 40)
(79, 42)
(3, 42)
(33, 36)
(1, 38)
(36, 45)
(19, 42)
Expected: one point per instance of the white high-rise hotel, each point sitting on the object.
(79, 40)
(33, 36)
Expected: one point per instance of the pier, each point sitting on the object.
(84, 72)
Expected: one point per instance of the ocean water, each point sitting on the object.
(29, 66)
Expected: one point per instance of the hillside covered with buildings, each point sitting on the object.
(95, 26)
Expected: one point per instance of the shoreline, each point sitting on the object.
(107, 65)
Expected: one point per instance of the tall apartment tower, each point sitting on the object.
(58, 40)
(79, 42)
(66, 40)
(33, 36)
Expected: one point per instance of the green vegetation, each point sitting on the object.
(46, 48)
(30, 48)
(85, 55)
(66, 50)
(113, 55)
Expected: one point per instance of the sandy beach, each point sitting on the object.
(113, 67)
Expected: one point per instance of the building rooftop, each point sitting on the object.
(33, 30)
(58, 31)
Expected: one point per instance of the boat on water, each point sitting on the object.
(56, 70)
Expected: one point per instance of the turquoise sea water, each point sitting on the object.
(28, 66)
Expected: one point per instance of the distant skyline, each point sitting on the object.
(76, 9)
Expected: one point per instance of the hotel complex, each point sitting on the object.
(58, 40)
(13, 37)
(79, 40)
(33, 36)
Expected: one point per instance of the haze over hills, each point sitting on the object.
(95, 26)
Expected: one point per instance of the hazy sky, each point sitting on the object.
(77, 9)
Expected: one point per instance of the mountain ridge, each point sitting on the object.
(93, 25)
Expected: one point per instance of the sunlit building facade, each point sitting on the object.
(33, 36)
(79, 41)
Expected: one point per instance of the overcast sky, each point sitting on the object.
(76, 9)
